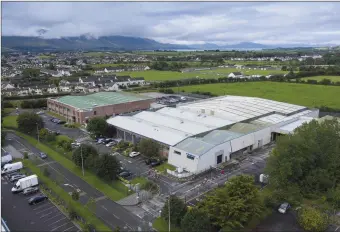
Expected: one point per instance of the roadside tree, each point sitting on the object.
(107, 167)
(97, 126)
(313, 220)
(306, 163)
(43, 133)
(29, 123)
(75, 195)
(233, 205)
(84, 151)
(177, 210)
(149, 148)
(195, 220)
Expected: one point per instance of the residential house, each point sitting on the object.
(65, 88)
(36, 90)
(7, 92)
(235, 75)
(49, 88)
(93, 89)
(8, 86)
(23, 91)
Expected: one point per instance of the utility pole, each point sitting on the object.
(82, 160)
(38, 133)
(169, 212)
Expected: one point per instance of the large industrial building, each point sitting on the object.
(205, 133)
(79, 109)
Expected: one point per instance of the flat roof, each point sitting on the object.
(100, 99)
(290, 127)
(160, 133)
(240, 108)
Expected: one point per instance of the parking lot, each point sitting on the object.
(20, 216)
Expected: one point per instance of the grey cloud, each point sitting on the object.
(179, 22)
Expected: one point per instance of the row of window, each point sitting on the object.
(188, 155)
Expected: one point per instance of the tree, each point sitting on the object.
(233, 205)
(29, 122)
(307, 162)
(195, 221)
(86, 151)
(117, 229)
(75, 195)
(149, 147)
(97, 126)
(31, 73)
(177, 210)
(46, 172)
(43, 133)
(312, 219)
(107, 167)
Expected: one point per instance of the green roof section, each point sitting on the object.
(245, 128)
(100, 99)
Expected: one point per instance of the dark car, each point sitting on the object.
(37, 199)
(149, 161)
(52, 119)
(125, 174)
(155, 163)
(42, 155)
(61, 122)
(108, 140)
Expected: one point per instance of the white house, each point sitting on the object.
(23, 92)
(8, 87)
(64, 88)
(235, 75)
(35, 90)
(147, 68)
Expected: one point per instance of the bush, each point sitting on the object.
(71, 213)
(46, 172)
(7, 104)
(31, 104)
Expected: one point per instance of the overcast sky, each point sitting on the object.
(180, 22)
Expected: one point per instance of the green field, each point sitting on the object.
(320, 78)
(153, 75)
(300, 94)
(10, 121)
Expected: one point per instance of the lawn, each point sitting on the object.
(227, 71)
(8, 110)
(55, 115)
(139, 180)
(45, 57)
(164, 166)
(320, 78)
(10, 121)
(114, 191)
(300, 94)
(161, 225)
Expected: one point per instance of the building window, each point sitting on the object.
(190, 157)
(95, 112)
(177, 152)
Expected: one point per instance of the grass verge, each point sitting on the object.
(139, 180)
(10, 121)
(161, 225)
(164, 166)
(55, 115)
(79, 209)
(115, 191)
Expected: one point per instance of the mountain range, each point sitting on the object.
(88, 42)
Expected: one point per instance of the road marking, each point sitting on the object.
(46, 214)
(44, 210)
(46, 163)
(68, 228)
(100, 198)
(59, 226)
(110, 212)
(41, 206)
(337, 228)
(54, 216)
(57, 221)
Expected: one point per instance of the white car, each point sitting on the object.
(284, 207)
(75, 144)
(115, 153)
(110, 144)
(40, 112)
(134, 154)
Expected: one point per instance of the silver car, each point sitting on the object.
(17, 177)
(30, 190)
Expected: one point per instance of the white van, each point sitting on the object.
(8, 168)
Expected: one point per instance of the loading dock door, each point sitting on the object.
(219, 159)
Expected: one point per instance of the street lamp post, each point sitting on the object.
(38, 133)
(169, 213)
(82, 160)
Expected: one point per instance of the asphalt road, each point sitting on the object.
(110, 212)
(20, 216)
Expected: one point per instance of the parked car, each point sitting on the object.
(125, 174)
(149, 161)
(114, 153)
(61, 122)
(110, 144)
(75, 144)
(42, 155)
(30, 190)
(17, 177)
(155, 163)
(52, 119)
(134, 154)
(108, 140)
(40, 112)
(13, 174)
(37, 199)
(100, 140)
(284, 207)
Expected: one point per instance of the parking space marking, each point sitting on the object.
(59, 226)
(68, 228)
(48, 203)
(60, 214)
(47, 214)
(45, 210)
(57, 221)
